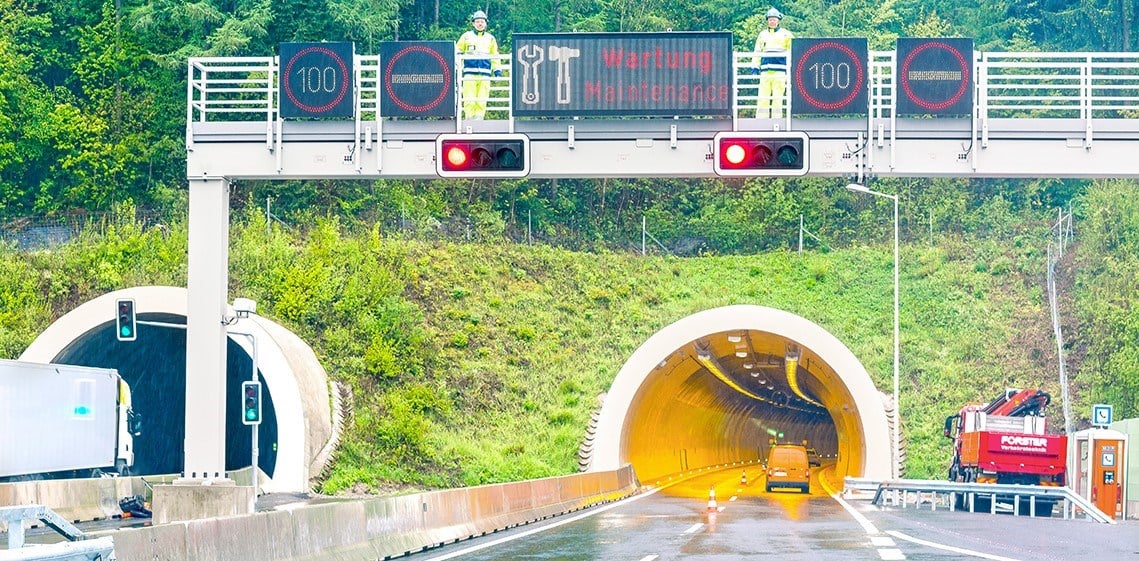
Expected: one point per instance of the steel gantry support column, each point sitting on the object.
(203, 491)
(207, 280)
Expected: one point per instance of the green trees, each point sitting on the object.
(92, 92)
(1106, 272)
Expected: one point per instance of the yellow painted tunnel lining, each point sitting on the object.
(667, 411)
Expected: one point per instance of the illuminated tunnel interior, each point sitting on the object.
(154, 365)
(719, 386)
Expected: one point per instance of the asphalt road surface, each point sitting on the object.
(674, 521)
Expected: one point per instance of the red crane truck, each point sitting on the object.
(1005, 442)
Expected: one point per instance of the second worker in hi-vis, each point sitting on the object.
(772, 51)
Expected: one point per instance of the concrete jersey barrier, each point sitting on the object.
(370, 529)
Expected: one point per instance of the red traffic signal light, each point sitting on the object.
(482, 155)
(126, 328)
(759, 154)
(251, 403)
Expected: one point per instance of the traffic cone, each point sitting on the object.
(743, 479)
(711, 499)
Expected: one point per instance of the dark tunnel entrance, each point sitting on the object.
(154, 365)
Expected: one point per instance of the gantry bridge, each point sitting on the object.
(1031, 114)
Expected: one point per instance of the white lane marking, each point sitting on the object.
(858, 516)
(575, 518)
(732, 499)
(891, 555)
(649, 558)
(962, 551)
(884, 551)
(695, 528)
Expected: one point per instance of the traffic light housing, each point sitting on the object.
(126, 329)
(251, 403)
(760, 154)
(482, 155)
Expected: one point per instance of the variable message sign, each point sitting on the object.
(571, 74)
(417, 78)
(935, 76)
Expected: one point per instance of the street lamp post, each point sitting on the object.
(897, 398)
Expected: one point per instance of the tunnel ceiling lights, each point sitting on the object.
(704, 357)
(793, 380)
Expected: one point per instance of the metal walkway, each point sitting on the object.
(1034, 115)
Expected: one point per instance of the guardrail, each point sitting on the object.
(1017, 499)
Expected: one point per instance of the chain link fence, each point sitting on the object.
(634, 233)
(27, 234)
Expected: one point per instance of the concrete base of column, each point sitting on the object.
(195, 499)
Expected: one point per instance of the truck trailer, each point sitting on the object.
(64, 421)
(1006, 442)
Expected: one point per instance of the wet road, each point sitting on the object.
(674, 522)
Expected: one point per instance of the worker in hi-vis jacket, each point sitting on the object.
(477, 70)
(772, 59)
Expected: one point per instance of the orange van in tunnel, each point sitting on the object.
(787, 467)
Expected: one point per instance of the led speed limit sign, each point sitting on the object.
(829, 77)
(316, 80)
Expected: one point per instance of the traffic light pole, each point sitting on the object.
(254, 448)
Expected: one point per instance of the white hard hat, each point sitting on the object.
(479, 14)
(773, 13)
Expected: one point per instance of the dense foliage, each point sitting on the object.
(92, 93)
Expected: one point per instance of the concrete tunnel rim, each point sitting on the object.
(290, 471)
(634, 373)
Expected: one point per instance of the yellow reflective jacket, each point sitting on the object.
(772, 48)
(478, 43)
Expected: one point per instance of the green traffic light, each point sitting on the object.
(788, 155)
(125, 331)
(251, 414)
(507, 157)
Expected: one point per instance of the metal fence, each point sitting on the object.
(38, 233)
(1008, 85)
(30, 235)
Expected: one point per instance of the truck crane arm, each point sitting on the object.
(1015, 402)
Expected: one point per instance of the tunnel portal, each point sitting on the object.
(719, 386)
(296, 436)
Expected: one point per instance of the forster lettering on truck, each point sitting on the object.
(1018, 443)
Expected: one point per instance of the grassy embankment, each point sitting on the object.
(476, 363)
